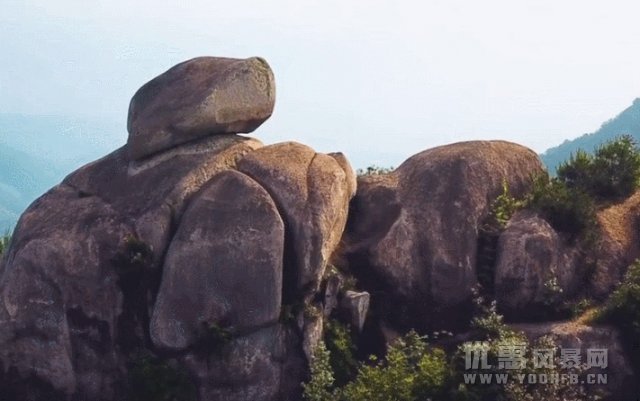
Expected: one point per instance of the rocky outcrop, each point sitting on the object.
(200, 97)
(618, 245)
(215, 262)
(224, 265)
(414, 232)
(535, 269)
(356, 306)
(313, 192)
(183, 245)
(620, 383)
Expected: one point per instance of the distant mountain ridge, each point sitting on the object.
(627, 122)
(37, 152)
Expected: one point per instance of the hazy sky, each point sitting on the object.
(379, 80)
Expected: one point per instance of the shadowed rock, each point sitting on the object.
(413, 233)
(200, 97)
(312, 190)
(535, 268)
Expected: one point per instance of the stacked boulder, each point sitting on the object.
(198, 258)
(188, 235)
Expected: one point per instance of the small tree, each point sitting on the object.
(569, 210)
(613, 172)
(4, 243)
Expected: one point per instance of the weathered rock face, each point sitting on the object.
(356, 306)
(313, 192)
(621, 384)
(60, 299)
(416, 229)
(618, 246)
(224, 265)
(200, 97)
(153, 194)
(535, 268)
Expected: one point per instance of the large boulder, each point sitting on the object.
(224, 266)
(618, 245)
(264, 365)
(312, 191)
(413, 233)
(60, 295)
(200, 97)
(535, 269)
(178, 250)
(153, 194)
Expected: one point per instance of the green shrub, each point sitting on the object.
(339, 343)
(623, 308)
(577, 171)
(411, 371)
(153, 379)
(374, 170)
(504, 206)
(4, 242)
(497, 335)
(502, 209)
(613, 172)
(569, 210)
(320, 386)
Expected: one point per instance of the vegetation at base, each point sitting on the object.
(4, 242)
(623, 310)
(153, 379)
(415, 370)
(337, 337)
(411, 371)
(496, 335)
(502, 209)
(374, 170)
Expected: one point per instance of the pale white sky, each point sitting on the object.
(379, 80)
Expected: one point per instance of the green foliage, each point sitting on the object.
(613, 172)
(152, 379)
(4, 243)
(374, 170)
(624, 303)
(500, 336)
(320, 387)
(568, 210)
(502, 209)
(623, 308)
(411, 371)
(504, 206)
(337, 338)
(489, 322)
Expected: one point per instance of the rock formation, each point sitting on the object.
(535, 269)
(187, 240)
(197, 258)
(415, 230)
